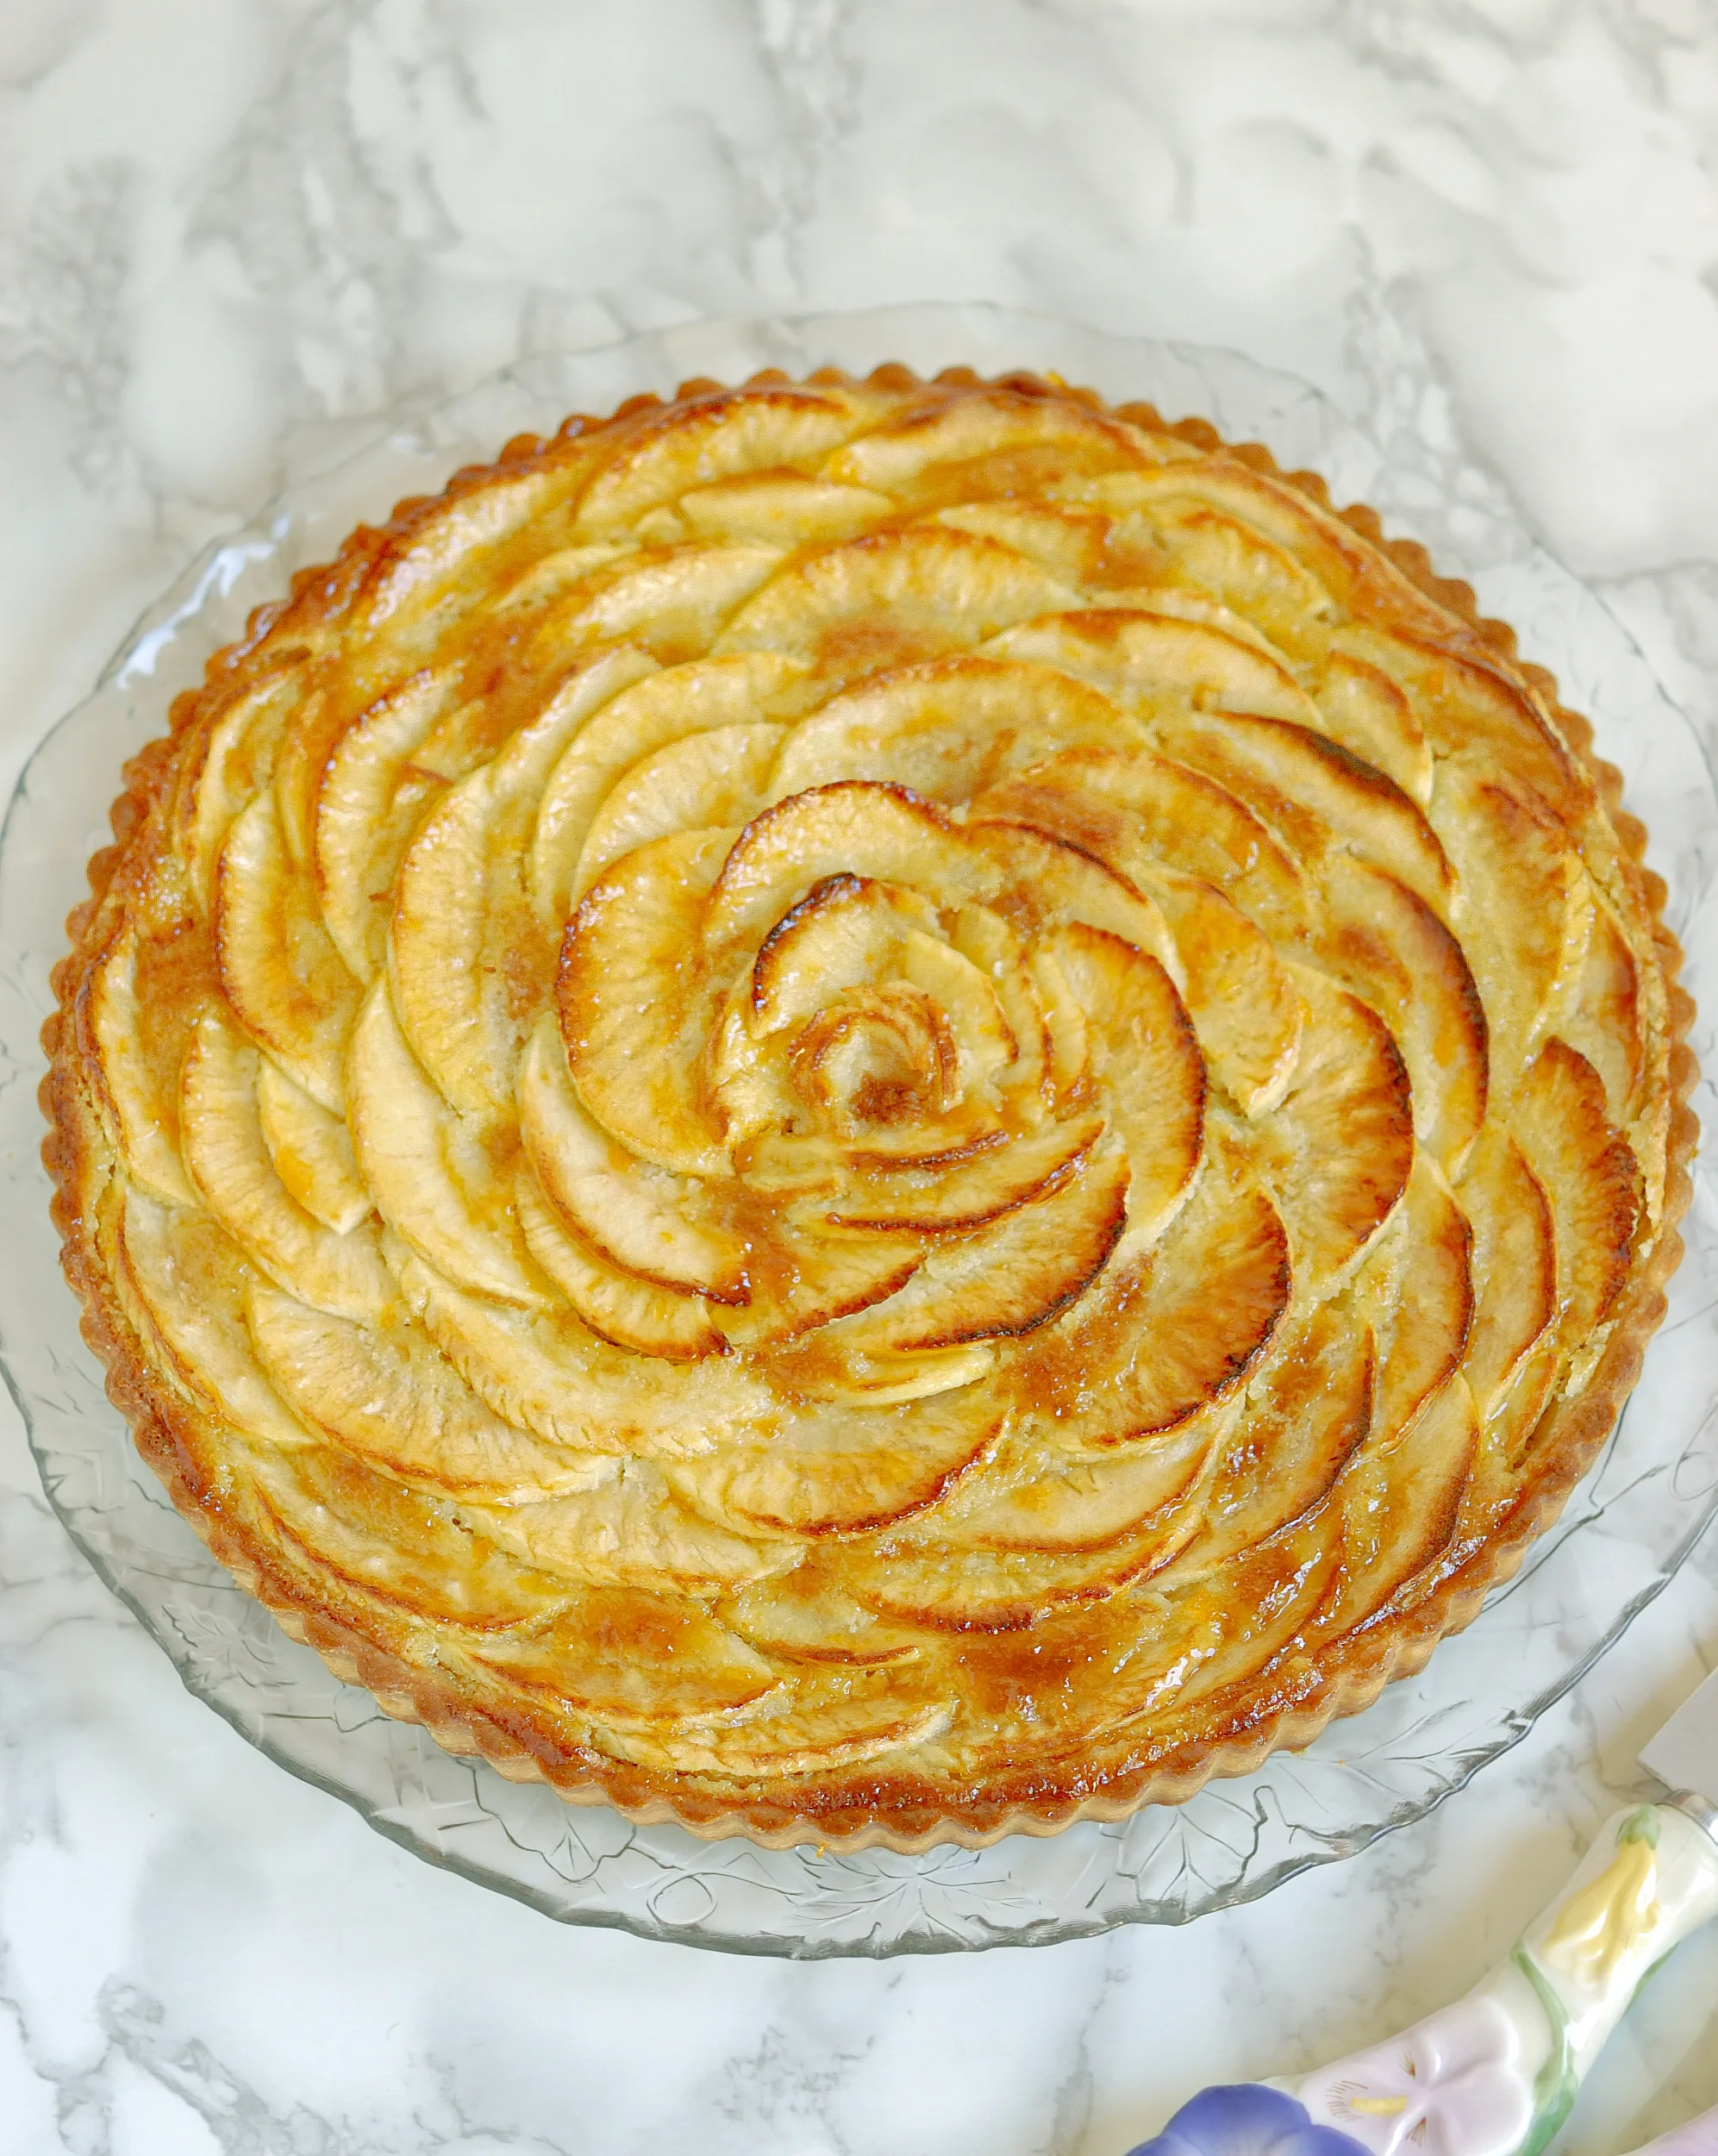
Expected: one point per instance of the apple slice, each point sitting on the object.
(780, 508)
(138, 1090)
(1514, 1263)
(1145, 1065)
(1306, 1419)
(1245, 1010)
(1340, 1148)
(660, 1227)
(448, 1191)
(552, 576)
(674, 602)
(1361, 707)
(1388, 946)
(1400, 1505)
(1045, 880)
(1307, 788)
(950, 729)
(761, 427)
(380, 1539)
(227, 1160)
(1160, 1340)
(892, 598)
(984, 442)
(231, 765)
(618, 1306)
(1138, 812)
(1586, 1167)
(1068, 544)
(886, 833)
(846, 931)
(185, 1280)
(827, 1723)
(633, 1660)
(882, 1380)
(808, 1616)
(840, 1468)
(990, 1589)
(670, 704)
(469, 965)
(1216, 552)
(1160, 664)
(386, 1395)
(367, 808)
(1527, 909)
(547, 1372)
(938, 1200)
(633, 1001)
(311, 1152)
(1473, 713)
(1011, 1276)
(1033, 1496)
(1431, 1286)
(719, 777)
(1608, 1018)
(289, 986)
(629, 1530)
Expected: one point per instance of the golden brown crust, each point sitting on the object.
(511, 1729)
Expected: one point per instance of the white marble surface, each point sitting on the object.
(231, 229)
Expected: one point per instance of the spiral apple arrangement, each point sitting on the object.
(853, 1098)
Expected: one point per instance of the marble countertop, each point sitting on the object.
(229, 230)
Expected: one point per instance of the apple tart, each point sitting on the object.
(871, 1110)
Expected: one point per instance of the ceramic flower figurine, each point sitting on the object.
(1247, 2119)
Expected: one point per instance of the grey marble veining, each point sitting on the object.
(229, 230)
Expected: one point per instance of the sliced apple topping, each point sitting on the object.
(1010, 1276)
(446, 1191)
(228, 1159)
(190, 1280)
(468, 964)
(990, 442)
(717, 778)
(990, 1589)
(884, 833)
(633, 1660)
(1514, 1262)
(1214, 552)
(368, 804)
(311, 1151)
(618, 1306)
(1431, 1291)
(1307, 788)
(950, 729)
(1340, 1148)
(386, 1394)
(1528, 909)
(671, 705)
(1387, 945)
(673, 603)
(640, 1218)
(141, 1095)
(1044, 880)
(629, 1529)
(780, 508)
(1035, 1496)
(829, 1722)
(1245, 1010)
(1608, 1018)
(382, 1538)
(847, 930)
(1360, 706)
(1138, 812)
(843, 1468)
(292, 992)
(892, 598)
(1159, 1341)
(634, 1004)
(1160, 664)
(1585, 1166)
(941, 1199)
(763, 427)
(1145, 1065)
(234, 767)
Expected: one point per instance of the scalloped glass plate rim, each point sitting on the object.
(1235, 1840)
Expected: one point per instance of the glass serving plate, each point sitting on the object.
(1625, 1530)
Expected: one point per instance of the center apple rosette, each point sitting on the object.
(889, 1094)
